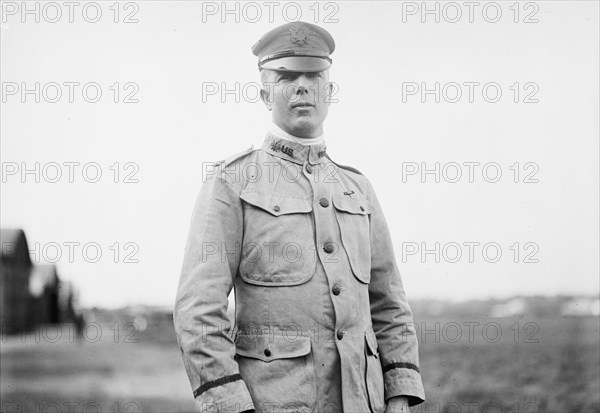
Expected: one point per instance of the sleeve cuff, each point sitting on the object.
(232, 396)
(403, 381)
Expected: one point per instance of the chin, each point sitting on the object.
(302, 132)
(304, 124)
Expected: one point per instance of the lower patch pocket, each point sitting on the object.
(374, 374)
(278, 371)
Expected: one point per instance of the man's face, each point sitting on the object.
(299, 100)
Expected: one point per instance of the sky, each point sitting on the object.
(479, 133)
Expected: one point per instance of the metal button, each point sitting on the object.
(324, 202)
(340, 334)
(328, 247)
(336, 289)
(276, 208)
(267, 352)
(309, 169)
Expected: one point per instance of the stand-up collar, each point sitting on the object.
(280, 133)
(293, 151)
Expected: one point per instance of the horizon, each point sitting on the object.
(478, 300)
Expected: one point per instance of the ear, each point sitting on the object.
(265, 96)
(328, 92)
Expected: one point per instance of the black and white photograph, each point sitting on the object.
(300, 206)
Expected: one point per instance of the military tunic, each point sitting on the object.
(322, 323)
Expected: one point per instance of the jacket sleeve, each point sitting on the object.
(391, 315)
(202, 325)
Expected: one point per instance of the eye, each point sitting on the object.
(285, 77)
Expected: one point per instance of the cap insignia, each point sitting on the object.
(300, 35)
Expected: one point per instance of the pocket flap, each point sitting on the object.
(372, 346)
(277, 204)
(351, 204)
(266, 347)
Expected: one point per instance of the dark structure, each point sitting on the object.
(30, 294)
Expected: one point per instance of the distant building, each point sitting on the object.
(43, 287)
(66, 305)
(14, 281)
(30, 294)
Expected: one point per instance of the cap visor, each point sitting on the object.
(298, 64)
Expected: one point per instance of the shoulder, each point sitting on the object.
(232, 170)
(351, 174)
(235, 157)
(345, 167)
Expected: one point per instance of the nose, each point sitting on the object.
(303, 85)
(301, 90)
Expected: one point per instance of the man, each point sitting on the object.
(322, 321)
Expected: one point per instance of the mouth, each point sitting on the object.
(303, 105)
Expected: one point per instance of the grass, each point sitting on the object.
(550, 366)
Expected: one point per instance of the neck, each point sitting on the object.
(280, 133)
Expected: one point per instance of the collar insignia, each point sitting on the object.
(277, 146)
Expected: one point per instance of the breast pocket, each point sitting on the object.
(278, 244)
(352, 214)
(278, 370)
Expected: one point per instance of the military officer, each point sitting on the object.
(322, 322)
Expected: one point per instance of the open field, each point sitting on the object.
(468, 365)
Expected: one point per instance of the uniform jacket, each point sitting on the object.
(322, 323)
